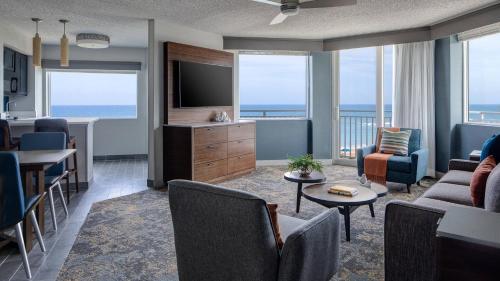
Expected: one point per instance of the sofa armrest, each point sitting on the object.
(361, 153)
(463, 165)
(419, 160)
(410, 241)
(312, 251)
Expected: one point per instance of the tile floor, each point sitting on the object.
(111, 179)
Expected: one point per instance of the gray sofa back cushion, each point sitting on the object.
(221, 234)
(492, 194)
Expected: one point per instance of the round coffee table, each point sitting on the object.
(366, 196)
(314, 177)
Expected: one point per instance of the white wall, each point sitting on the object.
(166, 31)
(116, 136)
(12, 38)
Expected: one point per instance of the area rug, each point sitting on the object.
(131, 237)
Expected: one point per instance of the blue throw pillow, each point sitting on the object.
(491, 147)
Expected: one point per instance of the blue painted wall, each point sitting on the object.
(278, 139)
(471, 137)
(322, 105)
(448, 99)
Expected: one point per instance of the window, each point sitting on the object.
(273, 86)
(481, 79)
(92, 94)
(361, 91)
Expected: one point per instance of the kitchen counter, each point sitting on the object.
(82, 128)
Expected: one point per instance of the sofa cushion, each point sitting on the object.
(491, 147)
(435, 204)
(288, 225)
(479, 178)
(448, 192)
(457, 177)
(399, 164)
(492, 192)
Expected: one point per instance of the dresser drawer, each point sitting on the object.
(240, 147)
(207, 135)
(241, 163)
(210, 152)
(241, 132)
(210, 170)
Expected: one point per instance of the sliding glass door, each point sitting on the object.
(362, 98)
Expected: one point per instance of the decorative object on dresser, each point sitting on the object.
(208, 152)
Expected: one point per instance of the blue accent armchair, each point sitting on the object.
(401, 169)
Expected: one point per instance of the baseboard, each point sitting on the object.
(121, 157)
(285, 162)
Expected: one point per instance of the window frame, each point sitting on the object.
(465, 86)
(48, 94)
(308, 78)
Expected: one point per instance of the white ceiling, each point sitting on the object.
(125, 20)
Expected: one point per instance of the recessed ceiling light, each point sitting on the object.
(92, 40)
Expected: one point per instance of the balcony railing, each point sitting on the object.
(273, 113)
(358, 129)
(484, 116)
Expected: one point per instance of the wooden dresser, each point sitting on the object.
(208, 152)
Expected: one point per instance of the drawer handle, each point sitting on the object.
(240, 141)
(240, 157)
(209, 164)
(211, 147)
(239, 126)
(209, 129)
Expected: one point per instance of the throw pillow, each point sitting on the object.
(478, 181)
(395, 142)
(379, 136)
(274, 222)
(491, 147)
(492, 194)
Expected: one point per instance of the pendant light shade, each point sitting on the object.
(37, 46)
(64, 46)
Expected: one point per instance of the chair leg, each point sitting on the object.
(418, 183)
(75, 167)
(408, 187)
(22, 250)
(59, 188)
(37, 231)
(52, 208)
(67, 189)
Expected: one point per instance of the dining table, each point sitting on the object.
(33, 165)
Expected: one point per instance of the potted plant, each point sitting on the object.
(304, 164)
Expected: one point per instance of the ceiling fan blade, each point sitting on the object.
(326, 3)
(278, 19)
(268, 2)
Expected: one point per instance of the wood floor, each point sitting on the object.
(111, 179)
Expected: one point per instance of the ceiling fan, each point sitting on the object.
(291, 7)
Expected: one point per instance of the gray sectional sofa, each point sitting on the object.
(410, 228)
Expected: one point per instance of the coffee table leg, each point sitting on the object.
(372, 211)
(299, 196)
(347, 223)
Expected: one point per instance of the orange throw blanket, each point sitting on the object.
(376, 167)
(376, 163)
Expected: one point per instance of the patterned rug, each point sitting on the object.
(131, 237)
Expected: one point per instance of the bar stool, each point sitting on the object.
(7, 143)
(61, 125)
(14, 206)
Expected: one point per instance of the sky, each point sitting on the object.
(484, 70)
(81, 88)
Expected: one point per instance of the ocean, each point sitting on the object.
(100, 111)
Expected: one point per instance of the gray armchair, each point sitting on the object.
(224, 234)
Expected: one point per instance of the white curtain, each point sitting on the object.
(413, 105)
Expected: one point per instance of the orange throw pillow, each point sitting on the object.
(479, 178)
(274, 221)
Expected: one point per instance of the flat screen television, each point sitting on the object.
(202, 85)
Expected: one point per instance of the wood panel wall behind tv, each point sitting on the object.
(181, 52)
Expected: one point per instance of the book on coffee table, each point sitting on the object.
(343, 190)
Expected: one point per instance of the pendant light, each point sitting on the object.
(37, 46)
(64, 46)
